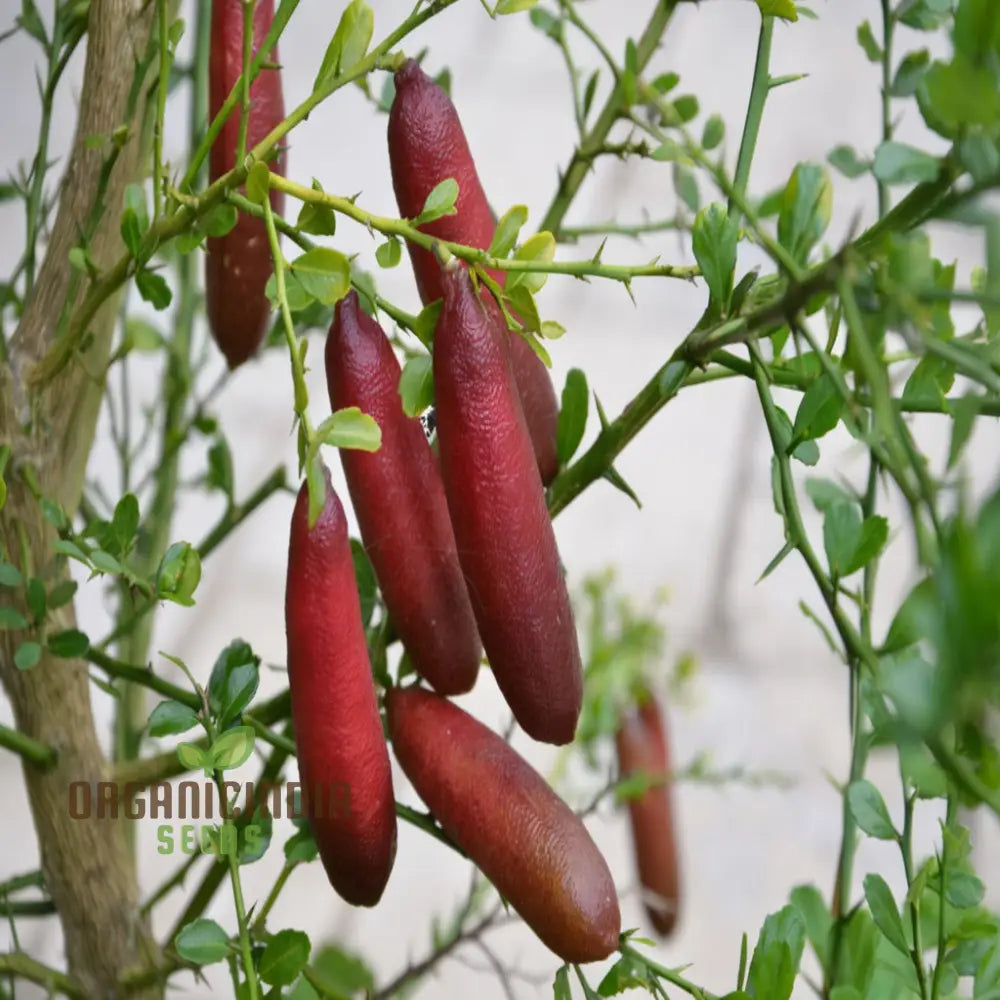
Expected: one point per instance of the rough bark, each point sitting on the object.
(87, 866)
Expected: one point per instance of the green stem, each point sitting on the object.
(888, 23)
(576, 170)
(755, 110)
(662, 972)
(23, 966)
(913, 905)
(260, 920)
(241, 138)
(25, 746)
(161, 107)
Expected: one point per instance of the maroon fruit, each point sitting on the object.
(426, 146)
(501, 812)
(401, 507)
(642, 748)
(239, 263)
(505, 540)
(343, 761)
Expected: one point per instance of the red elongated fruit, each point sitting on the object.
(505, 540)
(501, 812)
(239, 263)
(343, 760)
(642, 747)
(401, 507)
(426, 146)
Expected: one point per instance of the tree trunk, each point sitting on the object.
(87, 865)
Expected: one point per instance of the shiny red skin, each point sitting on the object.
(401, 507)
(641, 743)
(426, 146)
(338, 730)
(239, 263)
(506, 544)
(500, 811)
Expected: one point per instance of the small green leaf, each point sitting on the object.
(897, 163)
(10, 575)
(284, 957)
(819, 411)
(68, 644)
(202, 942)
(27, 655)
(325, 274)
(869, 811)
(847, 161)
(909, 73)
(806, 205)
(171, 717)
(341, 973)
(105, 562)
(964, 890)
(350, 428)
(714, 132)
(300, 847)
(884, 911)
(628, 973)
(194, 758)
(714, 241)
(258, 183)
(572, 415)
(866, 39)
(233, 748)
(441, 201)
(179, 574)
(11, 618)
(123, 526)
(37, 598)
(507, 231)
(540, 247)
(426, 322)
(317, 219)
(233, 682)
(390, 253)
(220, 220)
(667, 152)
(416, 385)
(153, 288)
(841, 534)
(514, 6)
(220, 467)
(349, 43)
(778, 8)
(561, 989)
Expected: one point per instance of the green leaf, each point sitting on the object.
(141, 335)
(179, 574)
(317, 219)
(284, 958)
(349, 43)
(300, 847)
(233, 682)
(153, 288)
(866, 39)
(10, 575)
(27, 655)
(956, 94)
(808, 900)
(220, 220)
(258, 183)
(350, 428)
(105, 562)
(841, 533)
(628, 973)
(341, 973)
(714, 132)
(441, 201)
(390, 253)
(540, 247)
(871, 541)
(868, 809)
(778, 8)
(909, 73)
(171, 717)
(847, 161)
(806, 204)
(193, 758)
(819, 411)
(220, 467)
(714, 241)
(11, 618)
(68, 644)
(68, 548)
(777, 955)
(325, 274)
(232, 749)
(37, 598)
(508, 229)
(667, 152)
(561, 989)
(514, 6)
(416, 385)
(897, 163)
(202, 942)
(884, 911)
(427, 322)
(31, 22)
(572, 415)
(964, 890)
(121, 531)
(686, 186)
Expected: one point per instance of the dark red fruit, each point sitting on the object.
(426, 146)
(239, 263)
(642, 748)
(505, 540)
(401, 507)
(501, 812)
(343, 760)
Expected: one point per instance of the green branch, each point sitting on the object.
(30, 749)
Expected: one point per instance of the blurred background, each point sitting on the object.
(768, 695)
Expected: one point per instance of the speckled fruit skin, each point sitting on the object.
(641, 743)
(239, 263)
(426, 146)
(338, 731)
(500, 811)
(506, 544)
(401, 507)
